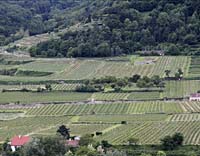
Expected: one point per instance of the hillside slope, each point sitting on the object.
(20, 18)
(115, 27)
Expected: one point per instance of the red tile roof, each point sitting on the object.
(73, 143)
(20, 140)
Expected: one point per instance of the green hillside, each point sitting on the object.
(115, 27)
(20, 18)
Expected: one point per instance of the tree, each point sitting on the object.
(46, 146)
(173, 50)
(156, 80)
(105, 144)
(135, 78)
(144, 154)
(65, 132)
(167, 72)
(178, 139)
(172, 142)
(178, 76)
(161, 153)
(48, 87)
(167, 143)
(85, 151)
(180, 72)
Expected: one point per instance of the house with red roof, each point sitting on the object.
(73, 142)
(195, 97)
(19, 141)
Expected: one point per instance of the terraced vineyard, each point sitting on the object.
(79, 69)
(110, 96)
(144, 96)
(32, 97)
(194, 70)
(126, 108)
(119, 118)
(28, 125)
(175, 89)
(146, 118)
(152, 132)
(185, 117)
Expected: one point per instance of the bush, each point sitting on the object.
(123, 122)
(99, 133)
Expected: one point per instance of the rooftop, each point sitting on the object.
(19, 140)
(195, 95)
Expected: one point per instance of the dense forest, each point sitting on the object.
(115, 27)
(105, 27)
(20, 18)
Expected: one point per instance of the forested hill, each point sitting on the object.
(30, 17)
(116, 27)
(106, 27)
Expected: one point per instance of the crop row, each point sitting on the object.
(152, 132)
(121, 108)
(185, 117)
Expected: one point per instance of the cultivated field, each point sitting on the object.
(134, 112)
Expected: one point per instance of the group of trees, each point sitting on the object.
(122, 27)
(25, 17)
(177, 76)
(154, 81)
(112, 83)
(101, 84)
(172, 142)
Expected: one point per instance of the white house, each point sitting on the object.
(195, 97)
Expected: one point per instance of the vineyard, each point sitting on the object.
(152, 132)
(181, 89)
(126, 108)
(32, 97)
(135, 112)
(28, 125)
(185, 117)
(194, 70)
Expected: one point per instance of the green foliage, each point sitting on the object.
(118, 27)
(146, 82)
(172, 142)
(63, 131)
(24, 17)
(45, 147)
(161, 153)
(86, 140)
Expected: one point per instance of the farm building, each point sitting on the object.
(19, 141)
(195, 97)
